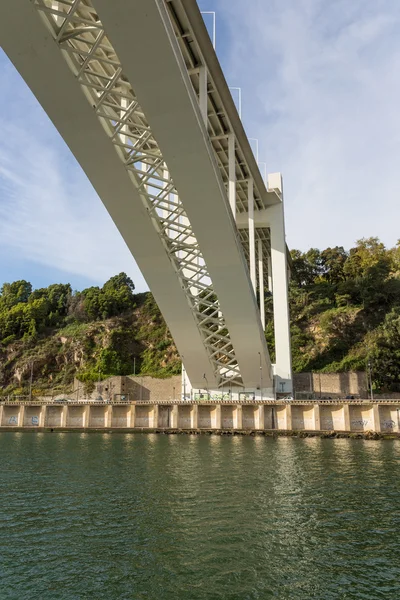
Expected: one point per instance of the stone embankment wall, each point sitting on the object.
(348, 417)
(331, 384)
(132, 388)
(151, 389)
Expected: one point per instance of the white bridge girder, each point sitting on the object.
(111, 77)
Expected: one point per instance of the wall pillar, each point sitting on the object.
(376, 421)
(132, 416)
(252, 243)
(317, 417)
(218, 417)
(1, 413)
(288, 416)
(239, 417)
(346, 418)
(195, 416)
(259, 417)
(42, 415)
(283, 362)
(108, 416)
(86, 416)
(64, 416)
(21, 414)
(174, 417)
(155, 416)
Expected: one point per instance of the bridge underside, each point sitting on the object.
(112, 79)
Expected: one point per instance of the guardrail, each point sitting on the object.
(282, 402)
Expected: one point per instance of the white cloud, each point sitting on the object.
(320, 90)
(49, 212)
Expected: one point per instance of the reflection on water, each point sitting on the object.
(171, 517)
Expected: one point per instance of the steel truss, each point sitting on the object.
(75, 27)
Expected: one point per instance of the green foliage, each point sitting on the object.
(115, 297)
(344, 309)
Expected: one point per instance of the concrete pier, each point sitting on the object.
(354, 416)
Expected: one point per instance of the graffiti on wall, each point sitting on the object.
(360, 423)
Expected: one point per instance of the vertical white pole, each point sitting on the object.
(252, 243)
(239, 90)
(261, 282)
(203, 95)
(256, 141)
(232, 174)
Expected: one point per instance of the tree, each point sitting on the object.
(14, 293)
(333, 261)
(386, 353)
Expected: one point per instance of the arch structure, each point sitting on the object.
(137, 93)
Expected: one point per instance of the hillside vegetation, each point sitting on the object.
(345, 311)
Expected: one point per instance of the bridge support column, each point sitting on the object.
(252, 243)
(261, 283)
(270, 289)
(232, 174)
(283, 362)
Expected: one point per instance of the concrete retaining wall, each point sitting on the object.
(341, 417)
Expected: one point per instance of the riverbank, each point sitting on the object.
(368, 435)
(359, 417)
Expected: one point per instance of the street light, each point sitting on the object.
(30, 382)
(370, 378)
(259, 354)
(184, 378)
(204, 377)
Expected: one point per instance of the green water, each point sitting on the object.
(122, 516)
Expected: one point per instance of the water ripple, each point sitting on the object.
(92, 516)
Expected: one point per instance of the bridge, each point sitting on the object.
(137, 93)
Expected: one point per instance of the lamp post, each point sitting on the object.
(184, 378)
(370, 379)
(261, 394)
(30, 382)
(204, 377)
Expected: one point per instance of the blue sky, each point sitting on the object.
(320, 88)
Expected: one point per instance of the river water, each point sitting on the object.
(136, 516)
